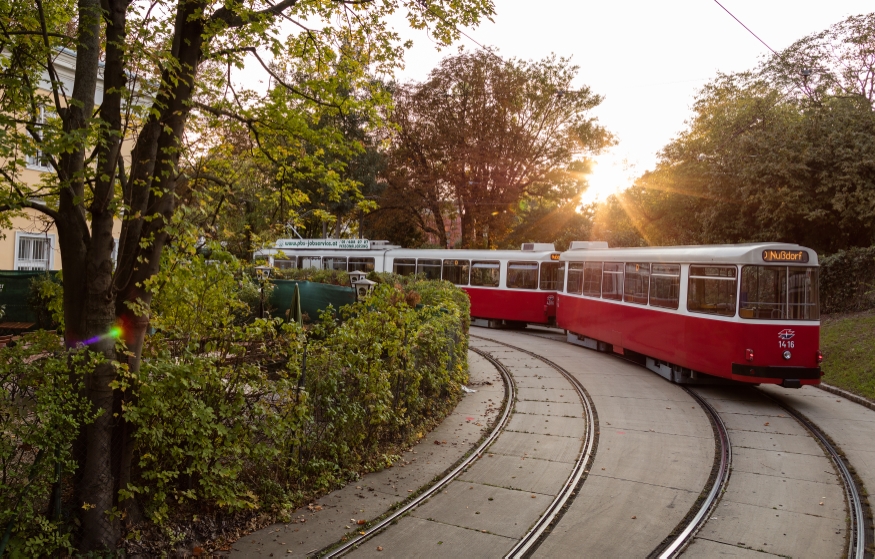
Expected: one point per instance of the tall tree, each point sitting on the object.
(482, 133)
(178, 54)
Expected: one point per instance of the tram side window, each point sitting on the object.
(404, 266)
(575, 277)
(612, 281)
(361, 264)
(334, 263)
(637, 283)
(306, 262)
(712, 290)
(592, 279)
(456, 271)
(779, 292)
(665, 285)
(522, 275)
(485, 273)
(552, 274)
(430, 268)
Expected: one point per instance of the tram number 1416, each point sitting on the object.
(786, 345)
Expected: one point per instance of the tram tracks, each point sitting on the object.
(860, 533)
(462, 466)
(857, 540)
(675, 545)
(528, 543)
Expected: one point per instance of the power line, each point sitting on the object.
(746, 27)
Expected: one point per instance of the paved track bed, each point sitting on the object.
(784, 496)
(494, 504)
(655, 453)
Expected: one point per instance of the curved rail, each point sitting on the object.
(857, 522)
(724, 465)
(528, 542)
(510, 392)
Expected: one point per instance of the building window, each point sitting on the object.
(33, 252)
(39, 161)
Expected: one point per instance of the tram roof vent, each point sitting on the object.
(584, 245)
(531, 247)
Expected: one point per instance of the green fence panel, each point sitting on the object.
(315, 297)
(15, 292)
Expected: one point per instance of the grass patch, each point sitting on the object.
(848, 345)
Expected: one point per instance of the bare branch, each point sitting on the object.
(233, 19)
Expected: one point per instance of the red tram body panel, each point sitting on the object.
(706, 346)
(747, 313)
(532, 307)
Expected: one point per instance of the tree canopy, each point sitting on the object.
(785, 152)
(481, 135)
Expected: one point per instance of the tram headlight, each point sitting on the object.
(748, 354)
(819, 357)
(787, 355)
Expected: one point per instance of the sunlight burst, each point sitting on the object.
(609, 176)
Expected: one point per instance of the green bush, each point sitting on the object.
(333, 277)
(41, 413)
(224, 415)
(847, 281)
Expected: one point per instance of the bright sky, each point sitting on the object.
(647, 58)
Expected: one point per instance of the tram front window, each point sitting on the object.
(712, 290)
(779, 293)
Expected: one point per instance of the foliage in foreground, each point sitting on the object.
(226, 420)
(848, 345)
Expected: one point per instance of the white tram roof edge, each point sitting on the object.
(749, 253)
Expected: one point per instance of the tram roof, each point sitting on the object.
(750, 253)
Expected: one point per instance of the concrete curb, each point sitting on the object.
(847, 395)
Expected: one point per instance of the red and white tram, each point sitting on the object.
(512, 287)
(748, 313)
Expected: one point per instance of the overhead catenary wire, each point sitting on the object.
(745, 26)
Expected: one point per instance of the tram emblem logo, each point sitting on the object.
(786, 334)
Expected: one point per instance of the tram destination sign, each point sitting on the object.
(800, 256)
(342, 244)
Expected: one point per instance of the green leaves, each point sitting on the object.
(782, 153)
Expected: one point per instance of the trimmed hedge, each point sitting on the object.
(847, 281)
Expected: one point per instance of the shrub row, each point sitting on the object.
(237, 418)
(847, 281)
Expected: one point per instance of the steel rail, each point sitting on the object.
(724, 468)
(532, 537)
(857, 522)
(510, 393)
